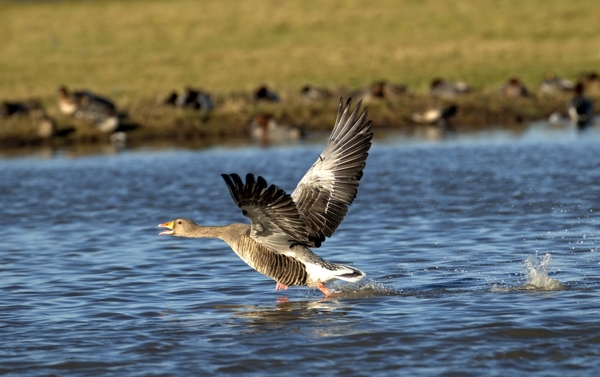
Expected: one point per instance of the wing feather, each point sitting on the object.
(276, 222)
(327, 189)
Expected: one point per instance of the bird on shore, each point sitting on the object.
(284, 227)
(513, 87)
(313, 93)
(84, 104)
(380, 89)
(263, 93)
(196, 99)
(448, 89)
(266, 130)
(553, 84)
(436, 115)
(580, 108)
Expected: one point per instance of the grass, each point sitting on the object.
(136, 51)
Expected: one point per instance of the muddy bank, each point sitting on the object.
(150, 120)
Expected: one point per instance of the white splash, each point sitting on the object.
(537, 274)
(365, 287)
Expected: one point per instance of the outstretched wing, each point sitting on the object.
(330, 185)
(276, 222)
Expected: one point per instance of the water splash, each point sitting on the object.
(365, 287)
(537, 274)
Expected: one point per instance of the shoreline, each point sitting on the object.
(151, 121)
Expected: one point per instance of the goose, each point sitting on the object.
(284, 227)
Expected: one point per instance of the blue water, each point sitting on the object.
(481, 253)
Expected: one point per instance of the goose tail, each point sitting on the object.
(349, 274)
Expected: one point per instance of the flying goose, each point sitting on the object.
(283, 227)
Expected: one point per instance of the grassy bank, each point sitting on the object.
(137, 51)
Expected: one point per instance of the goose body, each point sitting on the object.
(285, 227)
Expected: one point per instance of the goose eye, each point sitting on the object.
(179, 222)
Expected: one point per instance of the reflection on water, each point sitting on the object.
(455, 237)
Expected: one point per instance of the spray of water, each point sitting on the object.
(537, 274)
(365, 287)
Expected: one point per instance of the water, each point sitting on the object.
(481, 254)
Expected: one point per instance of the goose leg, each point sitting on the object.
(281, 286)
(324, 289)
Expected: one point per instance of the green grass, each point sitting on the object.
(136, 51)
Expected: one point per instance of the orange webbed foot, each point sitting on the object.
(281, 286)
(325, 291)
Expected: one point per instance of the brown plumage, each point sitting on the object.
(284, 226)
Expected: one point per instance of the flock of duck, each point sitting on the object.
(102, 113)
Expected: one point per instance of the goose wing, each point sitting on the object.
(324, 193)
(276, 222)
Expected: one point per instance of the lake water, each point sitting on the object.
(481, 253)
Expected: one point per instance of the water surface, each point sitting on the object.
(481, 254)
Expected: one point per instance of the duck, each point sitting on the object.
(263, 93)
(381, 89)
(14, 108)
(196, 99)
(284, 227)
(448, 89)
(103, 116)
(590, 81)
(435, 115)
(553, 84)
(313, 93)
(70, 102)
(266, 130)
(46, 127)
(580, 107)
(85, 104)
(513, 87)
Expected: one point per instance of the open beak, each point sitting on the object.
(169, 226)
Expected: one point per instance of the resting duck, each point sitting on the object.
(263, 93)
(87, 105)
(448, 89)
(266, 130)
(514, 88)
(580, 108)
(553, 84)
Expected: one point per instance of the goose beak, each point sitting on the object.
(169, 226)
